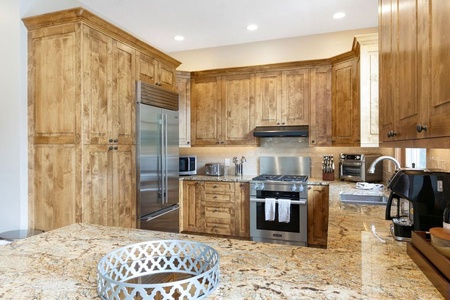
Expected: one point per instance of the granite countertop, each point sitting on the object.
(245, 178)
(61, 264)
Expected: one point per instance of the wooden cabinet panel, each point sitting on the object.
(184, 91)
(53, 80)
(206, 111)
(109, 197)
(320, 125)
(238, 110)
(345, 104)
(318, 211)
(193, 212)
(55, 186)
(295, 97)
(268, 98)
(152, 71)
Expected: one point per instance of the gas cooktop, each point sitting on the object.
(287, 178)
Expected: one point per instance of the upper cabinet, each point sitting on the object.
(222, 110)
(184, 106)
(154, 71)
(345, 101)
(283, 97)
(414, 70)
(227, 104)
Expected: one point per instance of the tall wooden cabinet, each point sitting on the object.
(318, 214)
(414, 61)
(82, 77)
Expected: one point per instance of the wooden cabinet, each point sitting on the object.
(184, 105)
(219, 208)
(283, 97)
(345, 101)
(318, 212)
(153, 71)
(320, 125)
(222, 110)
(414, 95)
(82, 77)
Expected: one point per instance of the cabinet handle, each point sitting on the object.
(116, 140)
(110, 140)
(391, 133)
(115, 148)
(421, 128)
(215, 186)
(215, 197)
(188, 143)
(110, 148)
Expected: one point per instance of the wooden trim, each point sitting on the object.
(261, 68)
(82, 15)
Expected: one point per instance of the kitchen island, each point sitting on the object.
(61, 264)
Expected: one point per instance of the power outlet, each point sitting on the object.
(227, 162)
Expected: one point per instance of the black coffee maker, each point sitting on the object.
(417, 201)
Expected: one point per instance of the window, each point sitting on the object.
(416, 158)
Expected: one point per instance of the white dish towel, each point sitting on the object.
(270, 209)
(284, 210)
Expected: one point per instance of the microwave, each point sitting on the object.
(188, 165)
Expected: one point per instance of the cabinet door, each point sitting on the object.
(439, 99)
(123, 95)
(147, 68)
(320, 125)
(242, 209)
(387, 65)
(166, 76)
(268, 98)
(184, 104)
(345, 103)
(56, 188)
(318, 210)
(109, 197)
(206, 111)
(193, 210)
(405, 49)
(238, 110)
(295, 97)
(97, 87)
(54, 80)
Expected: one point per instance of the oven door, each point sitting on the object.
(350, 170)
(292, 233)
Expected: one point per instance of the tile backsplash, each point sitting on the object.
(275, 147)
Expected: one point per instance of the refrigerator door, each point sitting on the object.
(171, 157)
(149, 159)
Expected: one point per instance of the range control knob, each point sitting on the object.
(301, 188)
(294, 187)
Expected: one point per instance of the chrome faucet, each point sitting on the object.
(372, 166)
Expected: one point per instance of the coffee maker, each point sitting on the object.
(417, 201)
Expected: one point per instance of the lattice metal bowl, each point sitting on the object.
(166, 269)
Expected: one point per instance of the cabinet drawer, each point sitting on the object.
(218, 228)
(219, 197)
(212, 212)
(222, 187)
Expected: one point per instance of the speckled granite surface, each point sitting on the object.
(61, 264)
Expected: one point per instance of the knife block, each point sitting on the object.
(328, 176)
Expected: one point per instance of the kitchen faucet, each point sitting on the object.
(372, 166)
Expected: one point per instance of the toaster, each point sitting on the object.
(214, 169)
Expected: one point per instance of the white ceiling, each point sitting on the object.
(213, 23)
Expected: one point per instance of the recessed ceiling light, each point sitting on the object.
(252, 27)
(178, 38)
(338, 15)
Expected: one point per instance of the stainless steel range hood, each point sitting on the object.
(281, 131)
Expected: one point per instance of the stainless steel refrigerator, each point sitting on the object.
(157, 158)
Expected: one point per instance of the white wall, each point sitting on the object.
(276, 51)
(13, 134)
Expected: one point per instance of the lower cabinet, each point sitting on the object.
(318, 211)
(220, 208)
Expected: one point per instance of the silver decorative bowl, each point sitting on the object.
(166, 269)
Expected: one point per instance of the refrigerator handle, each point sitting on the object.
(166, 175)
(162, 181)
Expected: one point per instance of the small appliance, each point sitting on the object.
(188, 165)
(214, 169)
(417, 201)
(354, 167)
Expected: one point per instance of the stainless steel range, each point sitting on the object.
(279, 201)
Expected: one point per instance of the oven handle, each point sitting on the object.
(298, 202)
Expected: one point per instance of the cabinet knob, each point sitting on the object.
(116, 140)
(110, 148)
(110, 140)
(421, 128)
(115, 148)
(188, 143)
(391, 133)
(214, 186)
